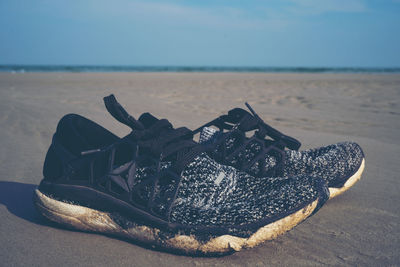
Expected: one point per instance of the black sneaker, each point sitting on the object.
(158, 187)
(269, 152)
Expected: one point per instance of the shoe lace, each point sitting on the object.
(163, 141)
(160, 139)
(158, 143)
(238, 122)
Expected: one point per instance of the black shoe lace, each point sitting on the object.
(162, 141)
(154, 145)
(238, 122)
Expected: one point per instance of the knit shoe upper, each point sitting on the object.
(159, 177)
(269, 152)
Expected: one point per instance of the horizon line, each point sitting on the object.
(187, 68)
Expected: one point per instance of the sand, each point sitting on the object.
(360, 227)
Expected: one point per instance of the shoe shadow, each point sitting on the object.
(18, 198)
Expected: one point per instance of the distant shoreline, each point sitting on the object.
(92, 68)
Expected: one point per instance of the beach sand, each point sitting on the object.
(360, 227)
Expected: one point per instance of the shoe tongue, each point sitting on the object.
(208, 134)
(147, 120)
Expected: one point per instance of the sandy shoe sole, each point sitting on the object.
(334, 192)
(91, 220)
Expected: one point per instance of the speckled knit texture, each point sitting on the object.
(335, 163)
(164, 187)
(211, 194)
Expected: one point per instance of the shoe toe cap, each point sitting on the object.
(346, 157)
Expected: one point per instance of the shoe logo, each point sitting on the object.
(218, 194)
(221, 176)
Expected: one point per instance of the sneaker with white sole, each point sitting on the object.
(268, 152)
(158, 187)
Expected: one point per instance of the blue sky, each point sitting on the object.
(328, 33)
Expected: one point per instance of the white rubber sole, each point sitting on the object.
(86, 219)
(334, 192)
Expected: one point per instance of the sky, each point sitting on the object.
(278, 33)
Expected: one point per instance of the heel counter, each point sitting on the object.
(53, 167)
